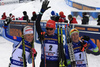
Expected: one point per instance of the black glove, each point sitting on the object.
(83, 45)
(66, 21)
(7, 21)
(45, 6)
(57, 18)
(87, 38)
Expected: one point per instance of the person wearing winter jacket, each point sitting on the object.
(53, 15)
(25, 17)
(4, 16)
(49, 53)
(72, 19)
(79, 47)
(16, 60)
(62, 17)
(34, 17)
(98, 20)
(85, 19)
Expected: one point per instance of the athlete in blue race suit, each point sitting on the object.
(79, 49)
(17, 58)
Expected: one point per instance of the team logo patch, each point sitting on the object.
(14, 37)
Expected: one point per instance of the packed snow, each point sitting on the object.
(18, 8)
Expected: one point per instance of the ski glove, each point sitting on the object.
(34, 53)
(45, 6)
(7, 21)
(83, 46)
(57, 18)
(87, 38)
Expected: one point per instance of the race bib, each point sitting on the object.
(80, 58)
(51, 49)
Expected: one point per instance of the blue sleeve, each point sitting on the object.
(92, 45)
(67, 52)
(12, 37)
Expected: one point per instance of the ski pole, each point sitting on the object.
(43, 44)
(63, 65)
(24, 56)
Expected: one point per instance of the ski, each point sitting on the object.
(60, 47)
(23, 54)
(62, 51)
(70, 46)
(43, 44)
(58, 34)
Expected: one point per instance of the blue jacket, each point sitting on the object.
(16, 40)
(77, 50)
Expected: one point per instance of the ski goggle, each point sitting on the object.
(49, 29)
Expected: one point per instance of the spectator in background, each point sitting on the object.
(72, 19)
(4, 16)
(53, 15)
(98, 20)
(25, 17)
(85, 19)
(34, 17)
(62, 17)
(11, 16)
(20, 18)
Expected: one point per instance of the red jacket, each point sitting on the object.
(4, 16)
(73, 21)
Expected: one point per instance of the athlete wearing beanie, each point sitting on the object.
(79, 47)
(28, 33)
(16, 60)
(50, 40)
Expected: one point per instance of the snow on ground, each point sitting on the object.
(18, 8)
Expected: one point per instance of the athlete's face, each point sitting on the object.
(29, 37)
(50, 31)
(75, 37)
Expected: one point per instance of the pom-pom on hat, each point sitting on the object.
(61, 13)
(52, 12)
(27, 30)
(51, 24)
(33, 12)
(74, 30)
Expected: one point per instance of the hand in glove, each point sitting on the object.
(87, 38)
(34, 53)
(7, 21)
(45, 6)
(83, 46)
(57, 18)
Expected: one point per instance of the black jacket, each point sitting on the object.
(85, 19)
(98, 20)
(34, 17)
(25, 17)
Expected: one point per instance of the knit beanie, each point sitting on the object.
(28, 30)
